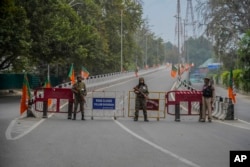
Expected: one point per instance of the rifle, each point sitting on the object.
(82, 95)
(145, 96)
(80, 92)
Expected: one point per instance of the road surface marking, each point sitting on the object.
(22, 132)
(190, 163)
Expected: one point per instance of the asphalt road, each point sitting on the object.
(59, 142)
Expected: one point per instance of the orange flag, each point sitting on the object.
(26, 95)
(84, 73)
(173, 71)
(231, 93)
(72, 74)
(48, 85)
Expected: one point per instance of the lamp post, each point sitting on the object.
(121, 43)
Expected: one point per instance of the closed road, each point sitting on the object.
(104, 142)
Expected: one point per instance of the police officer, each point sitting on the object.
(207, 100)
(141, 91)
(79, 90)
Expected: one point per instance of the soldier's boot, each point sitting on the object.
(145, 116)
(83, 116)
(74, 117)
(69, 115)
(136, 115)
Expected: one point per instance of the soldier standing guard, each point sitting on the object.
(141, 91)
(208, 94)
(79, 90)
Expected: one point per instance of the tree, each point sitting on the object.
(225, 21)
(14, 36)
(244, 59)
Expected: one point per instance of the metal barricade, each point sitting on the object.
(53, 100)
(183, 98)
(105, 104)
(155, 105)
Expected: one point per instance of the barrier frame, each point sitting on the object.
(183, 96)
(160, 97)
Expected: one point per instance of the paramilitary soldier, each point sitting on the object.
(208, 94)
(141, 91)
(79, 90)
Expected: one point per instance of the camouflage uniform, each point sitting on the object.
(79, 90)
(140, 100)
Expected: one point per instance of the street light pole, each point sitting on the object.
(146, 61)
(178, 28)
(121, 44)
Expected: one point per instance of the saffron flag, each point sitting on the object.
(72, 74)
(48, 85)
(173, 71)
(84, 73)
(26, 95)
(231, 92)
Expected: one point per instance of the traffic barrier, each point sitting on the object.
(220, 109)
(105, 104)
(58, 96)
(218, 99)
(177, 97)
(230, 110)
(155, 105)
(184, 85)
(224, 109)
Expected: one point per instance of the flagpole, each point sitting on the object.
(48, 74)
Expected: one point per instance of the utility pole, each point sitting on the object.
(178, 28)
(121, 43)
(189, 11)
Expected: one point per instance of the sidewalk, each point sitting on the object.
(11, 92)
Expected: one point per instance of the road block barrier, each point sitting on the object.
(178, 97)
(105, 104)
(155, 105)
(58, 98)
(217, 105)
(224, 108)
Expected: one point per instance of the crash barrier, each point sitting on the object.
(95, 82)
(176, 98)
(105, 104)
(223, 109)
(52, 99)
(155, 105)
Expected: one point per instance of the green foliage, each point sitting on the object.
(237, 77)
(244, 51)
(199, 50)
(224, 77)
(225, 22)
(14, 35)
(35, 33)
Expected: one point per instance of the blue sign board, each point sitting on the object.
(103, 103)
(214, 66)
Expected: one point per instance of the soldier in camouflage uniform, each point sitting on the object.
(141, 91)
(79, 90)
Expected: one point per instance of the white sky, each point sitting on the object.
(160, 15)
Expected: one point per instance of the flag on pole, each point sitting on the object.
(231, 91)
(173, 71)
(72, 74)
(26, 95)
(84, 73)
(48, 85)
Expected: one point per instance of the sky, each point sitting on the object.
(160, 15)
